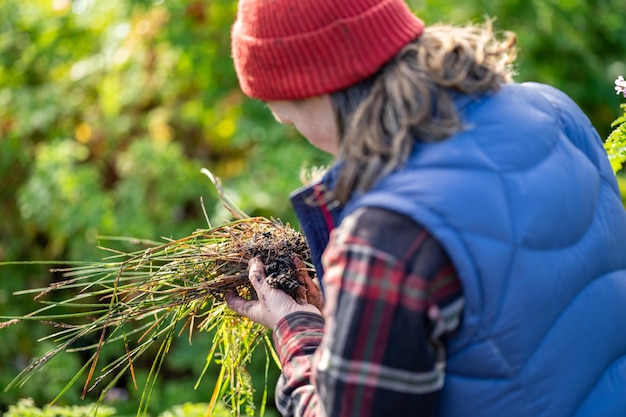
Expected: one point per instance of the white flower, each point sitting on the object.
(620, 86)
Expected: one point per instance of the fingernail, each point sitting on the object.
(256, 269)
(254, 263)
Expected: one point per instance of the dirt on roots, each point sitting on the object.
(274, 244)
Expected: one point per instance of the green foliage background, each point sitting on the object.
(108, 110)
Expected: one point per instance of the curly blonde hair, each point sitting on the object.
(410, 99)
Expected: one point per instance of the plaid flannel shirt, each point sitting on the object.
(392, 297)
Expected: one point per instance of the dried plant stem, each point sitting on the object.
(151, 296)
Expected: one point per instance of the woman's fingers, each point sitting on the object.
(301, 273)
(240, 305)
(256, 274)
(272, 304)
(249, 308)
(301, 295)
(315, 295)
(310, 290)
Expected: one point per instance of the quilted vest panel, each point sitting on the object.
(527, 207)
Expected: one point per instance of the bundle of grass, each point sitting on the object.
(147, 298)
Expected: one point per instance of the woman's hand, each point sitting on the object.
(273, 304)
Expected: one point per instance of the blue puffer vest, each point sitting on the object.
(526, 205)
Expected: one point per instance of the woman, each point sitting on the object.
(468, 237)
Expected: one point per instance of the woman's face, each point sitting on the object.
(314, 118)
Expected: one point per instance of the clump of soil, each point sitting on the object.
(276, 249)
(274, 243)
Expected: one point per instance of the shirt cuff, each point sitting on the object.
(298, 334)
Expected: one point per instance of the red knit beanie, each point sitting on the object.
(294, 49)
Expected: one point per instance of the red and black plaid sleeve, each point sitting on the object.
(392, 296)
